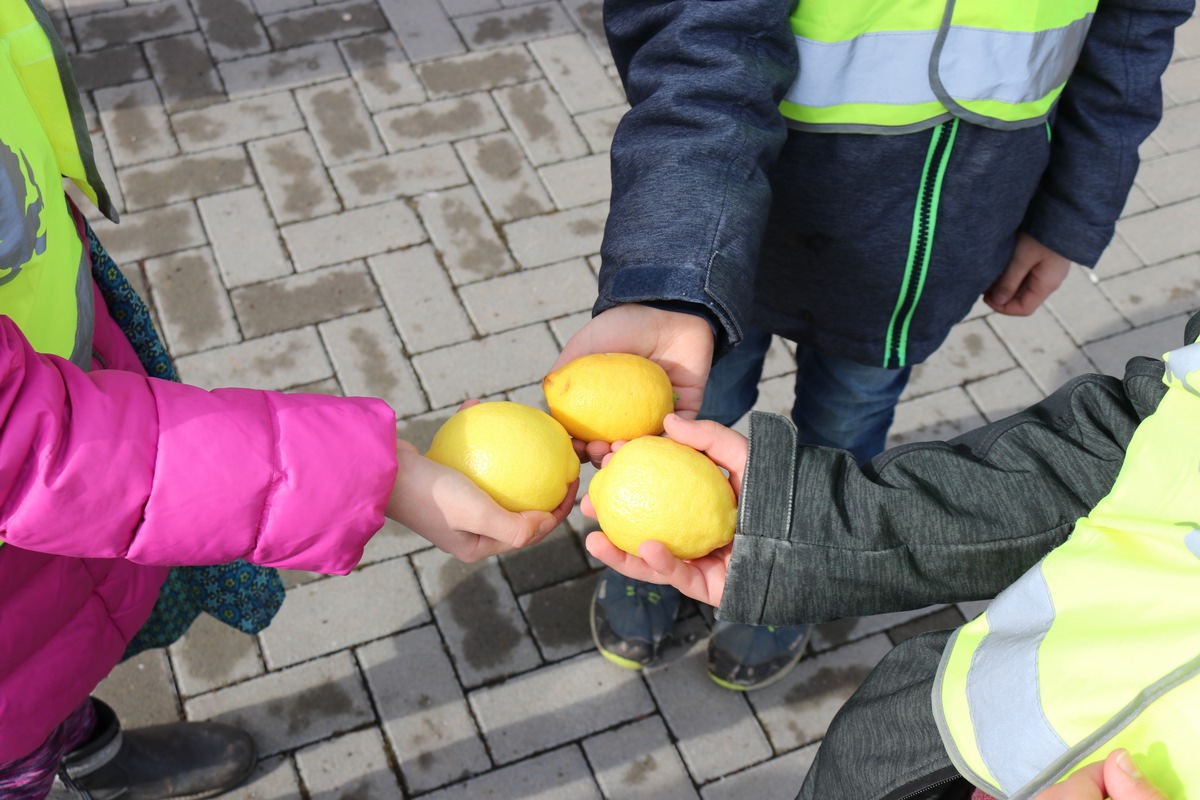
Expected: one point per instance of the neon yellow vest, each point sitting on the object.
(894, 66)
(1098, 645)
(45, 286)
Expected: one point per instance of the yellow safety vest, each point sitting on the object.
(895, 66)
(45, 285)
(1098, 645)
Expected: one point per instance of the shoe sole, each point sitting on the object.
(778, 676)
(620, 661)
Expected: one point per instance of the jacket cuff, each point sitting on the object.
(1058, 226)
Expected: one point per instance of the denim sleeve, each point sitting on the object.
(689, 159)
(932, 522)
(1111, 103)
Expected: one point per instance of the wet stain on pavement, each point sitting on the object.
(529, 106)
(337, 123)
(457, 77)
(301, 710)
(457, 118)
(639, 770)
(300, 190)
(379, 382)
(477, 252)
(488, 636)
(498, 29)
(231, 24)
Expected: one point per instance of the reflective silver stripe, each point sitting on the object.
(893, 67)
(1184, 362)
(1015, 739)
(979, 64)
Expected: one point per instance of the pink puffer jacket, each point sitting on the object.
(109, 477)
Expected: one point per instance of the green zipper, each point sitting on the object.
(920, 244)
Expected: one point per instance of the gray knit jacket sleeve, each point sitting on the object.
(933, 522)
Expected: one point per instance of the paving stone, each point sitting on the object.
(295, 180)
(1151, 149)
(550, 238)
(419, 429)
(559, 617)
(492, 364)
(285, 69)
(1041, 347)
(714, 728)
(555, 559)
(108, 176)
(391, 541)
(423, 27)
(465, 237)
(934, 417)
(79, 8)
(420, 298)
(243, 237)
(1179, 129)
(477, 72)
(1118, 258)
(598, 127)
(506, 180)
(777, 779)
(272, 779)
(141, 690)
(405, 174)
(293, 707)
(457, 8)
(378, 66)
(134, 123)
(354, 765)
(423, 710)
(514, 25)
(184, 72)
(212, 654)
(332, 21)
(191, 302)
(277, 362)
(1110, 355)
(1137, 202)
(370, 362)
(325, 616)
(541, 122)
(566, 327)
(339, 122)
(1083, 308)
(232, 28)
(557, 704)
(157, 232)
(970, 352)
(1001, 395)
(237, 122)
(1187, 39)
(478, 616)
(579, 182)
(304, 299)
(831, 635)
(796, 711)
(558, 775)
(439, 121)
(944, 619)
(576, 74)
(1182, 81)
(1154, 293)
(639, 761)
(531, 295)
(1171, 179)
(587, 17)
(111, 67)
(357, 233)
(135, 24)
(188, 177)
(265, 7)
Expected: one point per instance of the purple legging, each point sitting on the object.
(31, 777)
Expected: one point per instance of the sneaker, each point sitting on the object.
(744, 657)
(179, 760)
(631, 620)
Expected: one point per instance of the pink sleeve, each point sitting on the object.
(113, 464)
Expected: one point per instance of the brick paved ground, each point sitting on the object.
(405, 198)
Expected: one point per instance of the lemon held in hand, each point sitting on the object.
(609, 397)
(516, 453)
(656, 488)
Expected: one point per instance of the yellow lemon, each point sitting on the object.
(606, 397)
(516, 453)
(656, 488)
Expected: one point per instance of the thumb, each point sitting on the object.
(1124, 781)
(727, 447)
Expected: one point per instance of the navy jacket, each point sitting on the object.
(718, 207)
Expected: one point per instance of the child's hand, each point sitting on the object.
(449, 510)
(1116, 777)
(702, 578)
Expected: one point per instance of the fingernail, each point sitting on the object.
(546, 527)
(1125, 762)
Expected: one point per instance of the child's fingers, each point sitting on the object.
(726, 447)
(585, 505)
(701, 579)
(1087, 783)
(610, 555)
(1124, 781)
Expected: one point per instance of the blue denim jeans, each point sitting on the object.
(839, 403)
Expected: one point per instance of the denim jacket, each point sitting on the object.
(695, 158)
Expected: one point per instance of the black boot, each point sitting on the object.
(180, 760)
